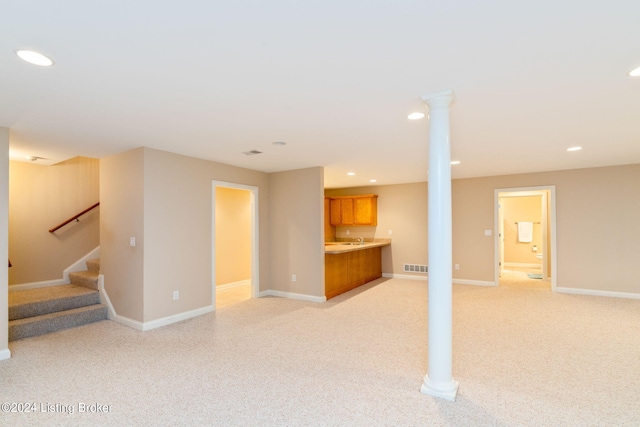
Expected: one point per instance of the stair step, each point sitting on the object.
(88, 279)
(44, 324)
(35, 302)
(93, 265)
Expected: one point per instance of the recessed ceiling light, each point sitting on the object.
(574, 149)
(455, 162)
(373, 180)
(415, 116)
(34, 58)
(351, 173)
(635, 72)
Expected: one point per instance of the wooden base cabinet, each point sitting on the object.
(346, 271)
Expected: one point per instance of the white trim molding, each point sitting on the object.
(146, 326)
(292, 295)
(35, 285)
(597, 293)
(5, 354)
(233, 285)
(255, 235)
(523, 265)
(473, 282)
(79, 265)
(174, 318)
(422, 278)
(425, 279)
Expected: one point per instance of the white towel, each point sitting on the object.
(525, 231)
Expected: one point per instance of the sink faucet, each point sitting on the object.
(361, 240)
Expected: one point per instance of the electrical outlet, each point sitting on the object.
(390, 232)
(348, 232)
(457, 266)
(293, 278)
(132, 241)
(176, 295)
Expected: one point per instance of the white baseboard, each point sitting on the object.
(597, 293)
(5, 354)
(174, 318)
(523, 264)
(79, 265)
(35, 285)
(164, 321)
(146, 326)
(425, 278)
(291, 295)
(233, 285)
(422, 277)
(127, 322)
(473, 282)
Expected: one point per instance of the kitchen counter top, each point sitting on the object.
(342, 247)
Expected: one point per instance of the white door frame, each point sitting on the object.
(255, 264)
(530, 191)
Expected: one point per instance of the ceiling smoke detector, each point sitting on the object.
(251, 152)
(34, 158)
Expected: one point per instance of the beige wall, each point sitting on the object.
(297, 231)
(169, 205)
(122, 217)
(40, 198)
(516, 209)
(4, 246)
(232, 235)
(597, 225)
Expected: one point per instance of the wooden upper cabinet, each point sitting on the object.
(365, 211)
(329, 230)
(354, 210)
(336, 214)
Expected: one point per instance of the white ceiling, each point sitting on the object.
(335, 80)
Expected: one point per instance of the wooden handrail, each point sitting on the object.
(74, 217)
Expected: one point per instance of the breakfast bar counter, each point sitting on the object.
(348, 265)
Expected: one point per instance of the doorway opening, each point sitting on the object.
(525, 253)
(235, 268)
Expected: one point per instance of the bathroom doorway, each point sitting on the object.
(235, 248)
(525, 239)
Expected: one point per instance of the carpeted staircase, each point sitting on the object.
(40, 311)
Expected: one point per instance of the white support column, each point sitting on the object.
(438, 381)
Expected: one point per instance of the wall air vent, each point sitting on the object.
(251, 152)
(415, 268)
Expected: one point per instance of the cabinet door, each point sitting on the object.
(362, 211)
(329, 230)
(346, 211)
(336, 212)
(365, 211)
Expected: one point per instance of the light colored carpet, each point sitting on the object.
(517, 278)
(231, 296)
(522, 357)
